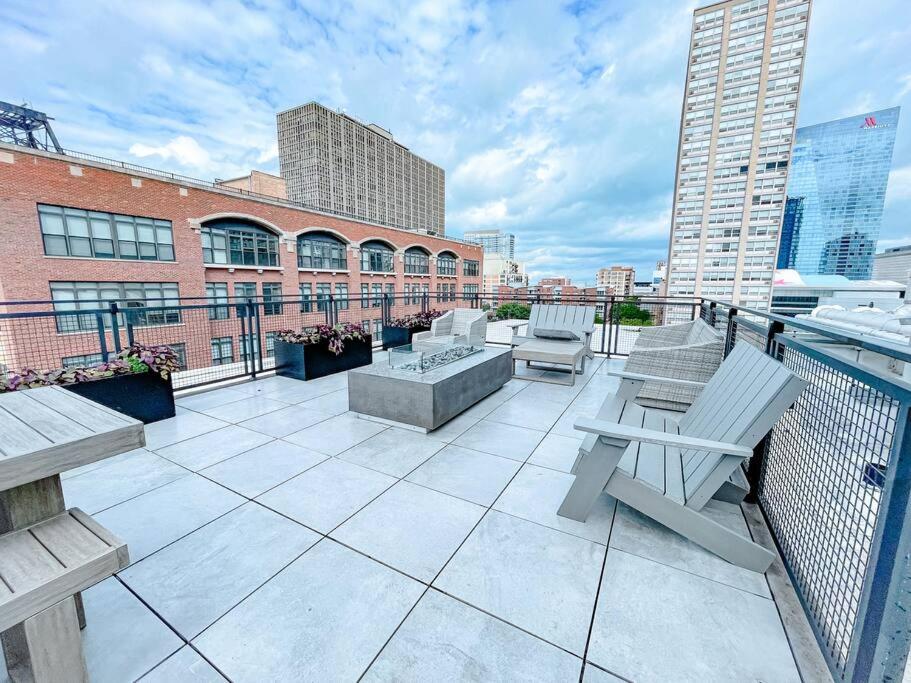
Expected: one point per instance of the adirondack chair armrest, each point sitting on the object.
(621, 432)
(516, 326)
(635, 376)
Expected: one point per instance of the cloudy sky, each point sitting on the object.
(556, 121)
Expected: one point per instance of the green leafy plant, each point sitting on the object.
(629, 313)
(416, 319)
(513, 311)
(336, 335)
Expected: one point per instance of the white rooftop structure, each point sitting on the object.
(795, 293)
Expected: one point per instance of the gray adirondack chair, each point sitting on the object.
(577, 319)
(669, 469)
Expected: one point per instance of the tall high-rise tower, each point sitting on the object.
(333, 162)
(736, 131)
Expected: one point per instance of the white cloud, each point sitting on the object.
(182, 149)
(899, 187)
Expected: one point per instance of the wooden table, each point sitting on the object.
(553, 352)
(44, 432)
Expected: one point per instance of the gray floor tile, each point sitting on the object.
(655, 622)
(286, 421)
(536, 413)
(299, 392)
(536, 494)
(324, 617)
(411, 528)
(207, 449)
(556, 452)
(123, 638)
(258, 470)
(154, 519)
(445, 640)
(496, 438)
(486, 405)
(186, 666)
(595, 675)
(539, 579)
(326, 495)
(210, 399)
(472, 475)
(264, 385)
(186, 426)
(106, 486)
(637, 534)
(334, 403)
(249, 407)
(393, 451)
(200, 577)
(455, 427)
(337, 434)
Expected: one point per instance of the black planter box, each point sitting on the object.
(399, 336)
(144, 396)
(309, 361)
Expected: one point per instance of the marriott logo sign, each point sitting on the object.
(870, 122)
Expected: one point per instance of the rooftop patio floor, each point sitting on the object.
(275, 536)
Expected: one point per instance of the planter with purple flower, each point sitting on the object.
(137, 382)
(399, 331)
(322, 350)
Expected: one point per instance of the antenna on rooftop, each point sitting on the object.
(27, 128)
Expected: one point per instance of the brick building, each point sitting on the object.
(82, 233)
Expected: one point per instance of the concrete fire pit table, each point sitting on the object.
(423, 401)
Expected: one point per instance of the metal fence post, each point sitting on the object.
(609, 319)
(712, 313)
(729, 332)
(115, 327)
(244, 348)
(754, 468)
(255, 358)
(102, 339)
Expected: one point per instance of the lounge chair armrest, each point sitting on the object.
(623, 432)
(418, 336)
(655, 378)
(516, 326)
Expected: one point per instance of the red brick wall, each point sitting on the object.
(25, 272)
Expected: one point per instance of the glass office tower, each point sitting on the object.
(836, 190)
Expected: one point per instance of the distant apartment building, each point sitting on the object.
(893, 264)
(737, 127)
(82, 233)
(554, 282)
(617, 279)
(494, 242)
(334, 163)
(500, 271)
(659, 275)
(835, 195)
(257, 182)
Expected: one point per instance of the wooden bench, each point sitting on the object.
(41, 568)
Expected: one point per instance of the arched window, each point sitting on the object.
(446, 263)
(417, 261)
(376, 257)
(321, 250)
(238, 242)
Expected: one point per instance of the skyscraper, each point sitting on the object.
(737, 125)
(334, 163)
(836, 190)
(494, 242)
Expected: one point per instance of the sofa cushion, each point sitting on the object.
(565, 335)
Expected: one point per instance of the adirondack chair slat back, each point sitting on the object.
(461, 320)
(443, 325)
(740, 404)
(560, 317)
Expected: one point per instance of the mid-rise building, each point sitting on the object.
(617, 279)
(494, 242)
(554, 282)
(82, 233)
(500, 271)
(737, 127)
(835, 195)
(334, 163)
(257, 182)
(893, 264)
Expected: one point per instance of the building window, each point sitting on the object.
(245, 340)
(242, 292)
(390, 291)
(270, 344)
(222, 350)
(272, 298)
(86, 360)
(365, 296)
(446, 264)
(377, 298)
(321, 251)
(378, 329)
(306, 292)
(417, 261)
(376, 257)
(323, 293)
(470, 291)
(95, 234)
(341, 297)
(236, 242)
(217, 293)
(471, 268)
(75, 296)
(180, 350)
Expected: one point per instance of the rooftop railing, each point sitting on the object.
(833, 478)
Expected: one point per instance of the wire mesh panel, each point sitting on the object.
(821, 486)
(627, 316)
(747, 331)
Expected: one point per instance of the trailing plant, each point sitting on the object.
(138, 358)
(416, 319)
(336, 335)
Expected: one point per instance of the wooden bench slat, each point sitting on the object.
(42, 418)
(93, 416)
(18, 437)
(70, 541)
(24, 562)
